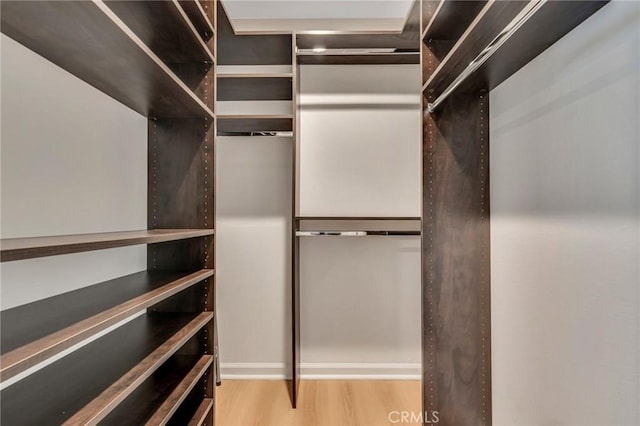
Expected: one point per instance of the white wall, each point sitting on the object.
(253, 223)
(73, 160)
(565, 191)
(360, 140)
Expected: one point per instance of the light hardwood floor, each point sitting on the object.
(320, 403)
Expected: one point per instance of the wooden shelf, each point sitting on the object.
(180, 392)
(28, 248)
(544, 28)
(381, 58)
(90, 41)
(493, 17)
(178, 41)
(248, 124)
(86, 385)
(451, 18)
(254, 109)
(548, 25)
(366, 224)
(37, 331)
(155, 401)
(359, 218)
(198, 17)
(254, 71)
(201, 412)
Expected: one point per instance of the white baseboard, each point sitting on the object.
(323, 371)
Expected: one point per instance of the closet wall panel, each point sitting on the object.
(359, 150)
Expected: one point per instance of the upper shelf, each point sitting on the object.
(84, 386)
(493, 17)
(89, 40)
(451, 18)
(360, 59)
(165, 28)
(27, 248)
(199, 17)
(36, 331)
(254, 71)
(551, 21)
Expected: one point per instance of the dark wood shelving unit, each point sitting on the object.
(192, 412)
(37, 331)
(450, 19)
(86, 384)
(178, 42)
(170, 384)
(361, 59)
(198, 17)
(29, 248)
(493, 17)
(91, 42)
(456, 239)
(157, 58)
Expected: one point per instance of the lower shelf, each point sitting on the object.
(93, 380)
(155, 401)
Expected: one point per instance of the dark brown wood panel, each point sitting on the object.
(455, 243)
(201, 412)
(180, 392)
(294, 386)
(140, 406)
(28, 248)
(490, 21)
(63, 388)
(111, 397)
(165, 28)
(254, 89)
(451, 18)
(248, 125)
(88, 40)
(35, 332)
(194, 410)
(180, 189)
(554, 20)
(198, 16)
(369, 59)
(249, 49)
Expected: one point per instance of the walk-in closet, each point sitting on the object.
(319, 212)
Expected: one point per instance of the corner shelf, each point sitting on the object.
(85, 385)
(170, 384)
(179, 41)
(90, 41)
(37, 331)
(28, 248)
(552, 21)
(487, 24)
(451, 18)
(198, 17)
(201, 413)
(361, 59)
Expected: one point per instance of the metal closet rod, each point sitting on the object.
(530, 9)
(355, 233)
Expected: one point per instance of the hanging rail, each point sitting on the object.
(355, 233)
(532, 7)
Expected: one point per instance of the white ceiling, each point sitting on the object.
(328, 15)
